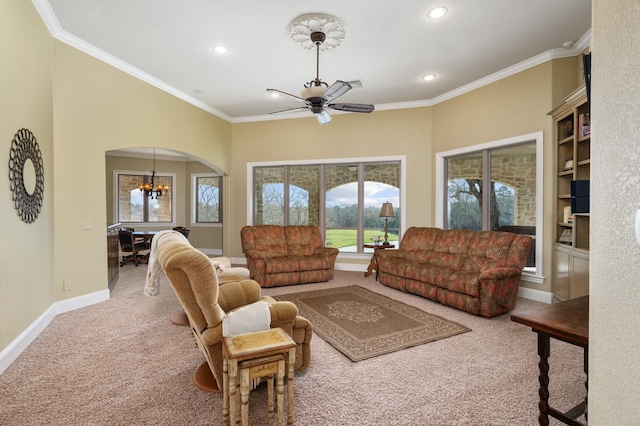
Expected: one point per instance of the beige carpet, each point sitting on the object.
(122, 362)
(362, 324)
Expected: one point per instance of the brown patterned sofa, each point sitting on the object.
(478, 272)
(284, 255)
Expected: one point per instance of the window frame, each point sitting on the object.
(531, 274)
(194, 200)
(116, 198)
(401, 159)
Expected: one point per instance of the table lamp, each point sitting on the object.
(386, 211)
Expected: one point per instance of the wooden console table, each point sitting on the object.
(374, 260)
(567, 321)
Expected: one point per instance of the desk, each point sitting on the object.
(374, 261)
(567, 321)
(145, 236)
(255, 355)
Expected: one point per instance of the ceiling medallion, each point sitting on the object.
(300, 30)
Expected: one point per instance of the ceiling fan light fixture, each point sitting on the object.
(312, 92)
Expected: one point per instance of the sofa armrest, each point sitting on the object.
(497, 274)
(327, 251)
(256, 254)
(390, 253)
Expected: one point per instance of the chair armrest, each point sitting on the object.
(211, 336)
(282, 312)
(239, 293)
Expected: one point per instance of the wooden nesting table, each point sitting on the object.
(251, 356)
(567, 321)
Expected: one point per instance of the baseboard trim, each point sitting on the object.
(537, 295)
(22, 342)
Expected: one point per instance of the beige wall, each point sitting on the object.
(206, 238)
(97, 109)
(26, 250)
(614, 322)
(383, 133)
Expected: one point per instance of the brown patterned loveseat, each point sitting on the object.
(478, 272)
(284, 255)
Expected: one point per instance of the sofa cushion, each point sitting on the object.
(265, 238)
(488, 250)
(420, 238)
(280, 264)
(302, 240)
(428, 273)
(464, 282)
(314, 262)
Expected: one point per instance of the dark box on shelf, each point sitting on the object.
(580, 196)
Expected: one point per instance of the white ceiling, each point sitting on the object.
(388, 46)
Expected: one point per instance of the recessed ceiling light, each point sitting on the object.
(220, 49)
(274, 94)
(428, 77)
(437, 12)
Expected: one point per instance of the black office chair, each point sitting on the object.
(184, 231)
(129, 245)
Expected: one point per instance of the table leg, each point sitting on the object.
(225, 391)
(544, 350)
(586, 382)
(233, 392)
(371, 266)
(270, 380)
(290, 376)
(244, 397)
(280, 392)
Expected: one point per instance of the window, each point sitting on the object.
(342, 199)
(495, 186)
(133, 207)
(207, 198)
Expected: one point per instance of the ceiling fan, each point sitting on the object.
(318, 95)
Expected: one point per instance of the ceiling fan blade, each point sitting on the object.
(366, 108)
(290, 110)
(336, 90)
(323, 117)
(285, 94)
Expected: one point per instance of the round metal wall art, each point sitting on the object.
(25, 147)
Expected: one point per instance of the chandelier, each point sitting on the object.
(152, 190)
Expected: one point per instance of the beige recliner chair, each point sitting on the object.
(194, 280)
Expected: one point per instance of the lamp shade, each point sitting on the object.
(387, 210)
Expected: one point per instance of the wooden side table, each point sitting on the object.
(250, 356)
(374, 260)
(567, 321)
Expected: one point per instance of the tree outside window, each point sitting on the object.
(208, 196)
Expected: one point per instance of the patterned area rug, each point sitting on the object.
(362, 324)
